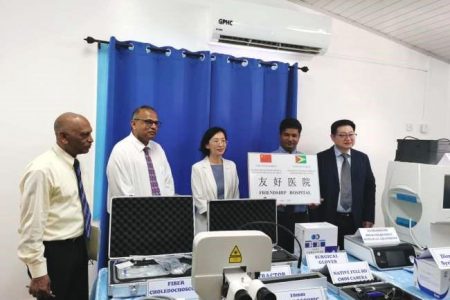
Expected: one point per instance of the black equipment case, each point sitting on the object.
(421, 151)
(142, 232)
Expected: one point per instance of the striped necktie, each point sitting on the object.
(151, 173)
(83, 200)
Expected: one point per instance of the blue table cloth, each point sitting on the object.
(400, 278)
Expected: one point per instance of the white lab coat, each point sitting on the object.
(204, 187)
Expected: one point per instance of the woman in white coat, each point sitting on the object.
(213, 177)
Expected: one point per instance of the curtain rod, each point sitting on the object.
(91, 40)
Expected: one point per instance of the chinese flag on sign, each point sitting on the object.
(265, 158)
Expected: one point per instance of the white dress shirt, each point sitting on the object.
(127, 170)
(50, 207)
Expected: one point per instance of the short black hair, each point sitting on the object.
(339, 123)
(290, 123)
(207, 136)
(142, 107)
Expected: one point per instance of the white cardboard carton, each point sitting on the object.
(432, 272)
(315, 238)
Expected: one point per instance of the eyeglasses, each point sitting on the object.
(149, 122)
(218, 142)
(346, 135)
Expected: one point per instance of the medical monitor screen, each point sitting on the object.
(396, 258)
(235, 214)
(151, 226)
(446, 204)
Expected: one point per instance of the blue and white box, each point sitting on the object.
(317, 237)
(432, 272)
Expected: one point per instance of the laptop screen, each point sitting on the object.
(151, 226)
(234, 214)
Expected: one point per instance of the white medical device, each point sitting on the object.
(224, 263)
(381, 256)
(416, 201)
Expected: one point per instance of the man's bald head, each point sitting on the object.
(65, 120)
(73, 133)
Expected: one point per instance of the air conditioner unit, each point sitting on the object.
(270, 27)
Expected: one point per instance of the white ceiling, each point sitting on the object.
(423, 25)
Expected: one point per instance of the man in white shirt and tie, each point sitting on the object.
(138, 165)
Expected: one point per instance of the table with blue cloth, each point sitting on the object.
(401, 278)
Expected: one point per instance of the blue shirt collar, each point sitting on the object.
(282, 150)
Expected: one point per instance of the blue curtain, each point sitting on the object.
(191, 92)
(100, 132)
(176, 83)
(249, 98)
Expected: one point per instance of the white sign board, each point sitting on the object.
(277, 271)
(379, 235)
(350, 272)
(441, 257)
(289, 178)
(317, 293)
(317, 261)
(176, 287)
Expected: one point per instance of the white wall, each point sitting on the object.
(380, 85)
(47, 69)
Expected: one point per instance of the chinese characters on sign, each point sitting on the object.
(289, 178)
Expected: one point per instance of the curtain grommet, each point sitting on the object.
(131, 47)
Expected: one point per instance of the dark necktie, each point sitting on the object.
(84, 203)
(346, 183)
(151, 173)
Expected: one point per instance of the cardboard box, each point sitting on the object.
(430, 275)
(315, 238)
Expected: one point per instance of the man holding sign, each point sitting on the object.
(288, 215)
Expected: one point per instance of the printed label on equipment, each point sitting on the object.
(317, 261)
(350, 272)
(176, 288)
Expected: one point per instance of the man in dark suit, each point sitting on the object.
(347, 184)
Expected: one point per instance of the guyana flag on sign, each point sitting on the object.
(300, 159)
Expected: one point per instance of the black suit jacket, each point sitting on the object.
(363, 188)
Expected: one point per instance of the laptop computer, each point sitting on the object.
(248, 214)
